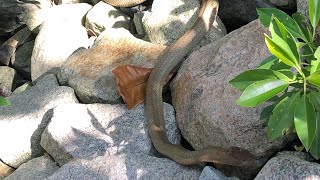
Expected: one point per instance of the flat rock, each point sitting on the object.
(79, 131)
(206, 112)
(89, 71)
(169, 19)
(210, 173)
(60, 35)
(8, 80)
(290, 165)
(35, 169)
(26, 118)
(21, 61)
(25, 86)
(103, 16)
(125, 166)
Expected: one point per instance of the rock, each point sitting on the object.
(68, 1)
(137, 20)
(35, 169)
(8, 80)
(236, 13)
(26, 118)
(34, 19)
(8, 48)
(89, 71)
(169, 19)
(125, 166)
(210, 173)
(290, 165)
(5, 170)
(79, 131)
(21, 61)
(103, 16)
(60, 35)
(284, 3)
(303, 7)
(11, 12)
(206, 112)
(22, 88)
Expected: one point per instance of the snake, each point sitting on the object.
(167, 61)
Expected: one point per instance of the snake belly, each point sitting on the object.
(167, 61)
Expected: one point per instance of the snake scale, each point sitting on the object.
(167, 61)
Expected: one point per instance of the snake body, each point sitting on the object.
(167, 61)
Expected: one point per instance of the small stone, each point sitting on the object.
(210, 173)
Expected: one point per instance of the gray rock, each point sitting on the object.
(60, 35)
(22, 88)
(137, 20)
(290, 165)
(5, 170)
(125, 166)
(169, 19)
(79, 131)
(58, 2)
(303, 7)
(103, 16)
(8, 80)
(210, 173)
(21, 61)
(35, 169)
(284, 3)
(11, 12)
(9, 47)
(89, 72)
(22, 123)
(204, 101)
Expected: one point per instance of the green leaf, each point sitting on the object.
(315, 63)
(265, 16)
(243, 80)
(305, 121)
(314, 12)
(261, 91)
(314, 79)
(273, 63)
(282, 51)
(315, 146)
(300, 20)
(314, 97)
(281, 119)
(4, 102)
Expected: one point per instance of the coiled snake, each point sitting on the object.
(167, 61)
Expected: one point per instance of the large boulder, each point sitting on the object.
(125, 166)
(89, 71)
(61, 34)
(22, 123)
(79, 131)
(8, 80)
(290, 165)
(206, 112)
(21, 61)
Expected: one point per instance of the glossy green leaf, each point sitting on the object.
(314, 79)
(243, 80)
(307, 53)
(265, 16)
(314, 12)
(315, 146)
(316, 63)
(261, 91)
(282, 51)
(4, 102)
(305, 121)
(300, 20)
(314, 97)
(281, 119)
(273, 63)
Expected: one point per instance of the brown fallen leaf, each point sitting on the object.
(131, 83)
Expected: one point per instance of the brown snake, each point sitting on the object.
(167, 61)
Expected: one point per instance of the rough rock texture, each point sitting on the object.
(286, 3)
(169, 19)
(8, 48)
(89, 71)
(303, 7)
(11, 12)
(5, 170)
(26, 118)
(22, 88)
(58, 38)
(21, 61)
(8, 80)
(125, 166)
(290, 165)
(204, 101)
(103, 16)
(35, 169)
(210, 173)
(86, 131)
